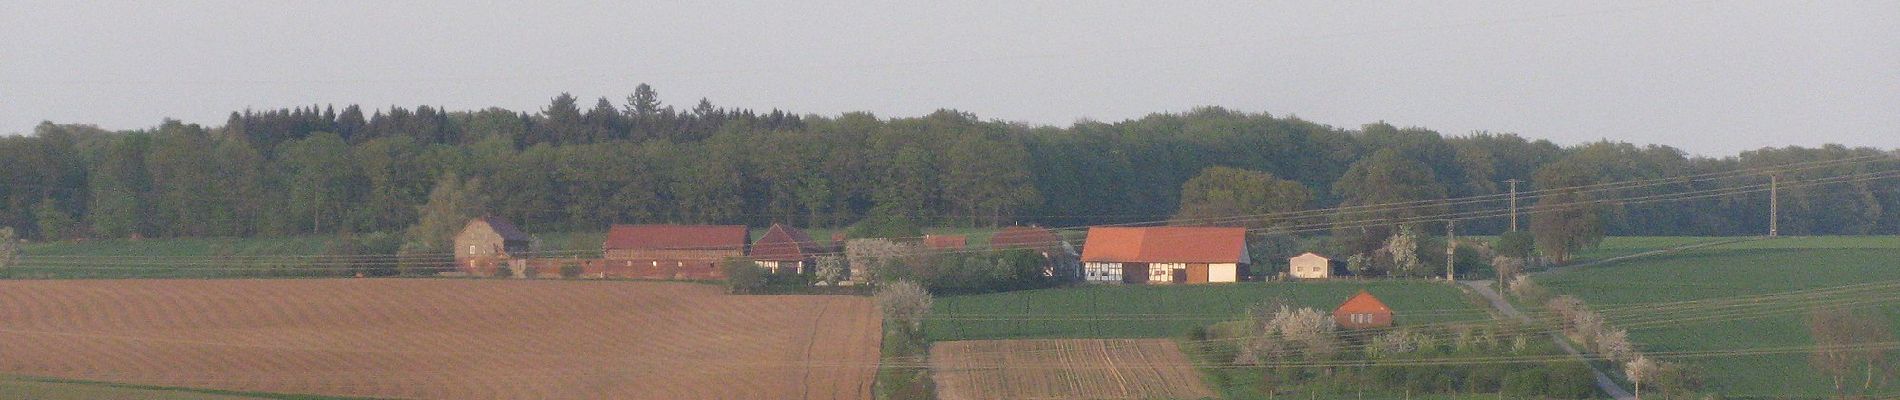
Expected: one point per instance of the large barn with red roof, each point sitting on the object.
(672, 251)
(1172, 254)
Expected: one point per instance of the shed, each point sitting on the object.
(1315, 266)
(1363, 311)
(785, 249)
(1177, 254)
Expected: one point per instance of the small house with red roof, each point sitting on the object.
(1170, 254)
(786, 250)
(672, 251)
(1363, 311)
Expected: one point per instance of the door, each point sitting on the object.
(1134, 272)
(1197, 273)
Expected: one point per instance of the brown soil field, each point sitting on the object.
(442, 339)
(1064, 369)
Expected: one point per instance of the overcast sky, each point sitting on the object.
(1711, 78)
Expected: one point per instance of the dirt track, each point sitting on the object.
(448, 339)
(1064, 369)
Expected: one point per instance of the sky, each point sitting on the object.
(1711, 77)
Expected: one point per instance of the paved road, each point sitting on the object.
(1497, 301)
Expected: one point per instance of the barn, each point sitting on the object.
(1059, 258)
(487, 242)
(672, 251)
(1315, 266)
(1173, 254)
(1363, 311)
(786, 250)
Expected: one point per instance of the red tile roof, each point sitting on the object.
(676, 237)
(1363, 303)
(1169, 244)
(1026, 237)
(785, 243)
(946, 242)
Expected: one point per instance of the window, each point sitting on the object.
(471, 249)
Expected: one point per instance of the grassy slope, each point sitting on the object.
(1735, 270)
(1134, 311)
(1627, 245)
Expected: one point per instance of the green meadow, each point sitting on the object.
(1731, 270)
(1137, 311)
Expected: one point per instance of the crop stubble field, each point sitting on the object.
(427, 338)
(1064, 369)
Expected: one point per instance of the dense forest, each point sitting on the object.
(320, 169)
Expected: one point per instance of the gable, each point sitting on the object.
(785, 243)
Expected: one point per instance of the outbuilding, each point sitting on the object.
(786, 250)
(1173, 254)
(673, 251)
(1363, 311)
(1315, 266)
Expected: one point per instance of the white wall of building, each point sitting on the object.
(1309, 266)
(1228, 272)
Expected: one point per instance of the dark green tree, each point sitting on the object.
(1236, 197)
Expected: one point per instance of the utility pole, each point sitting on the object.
(1451, 251)
(1513, 183)
(1774, 205)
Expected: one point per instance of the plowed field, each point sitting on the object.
(1064, 369)
(445, 339)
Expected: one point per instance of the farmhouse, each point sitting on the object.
(672, 251)
(1059, 258)
(487, 242)
(1315, 266)
(1363, 311)
(1172, 254)
(786, 250)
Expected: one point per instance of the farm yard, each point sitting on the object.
(1805, 273)
(1153, 311)
(433, 338)
(1064, 369)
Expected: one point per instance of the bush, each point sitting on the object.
(743, 276)
(1527, 383)
(1516, 244)
(502, 271)
(905, 303)
(570, 271)
(1571, 380)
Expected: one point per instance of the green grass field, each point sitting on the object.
(1738, 269)
(1136, 311)
(1627, 245)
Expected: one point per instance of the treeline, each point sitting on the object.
(322, 170)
